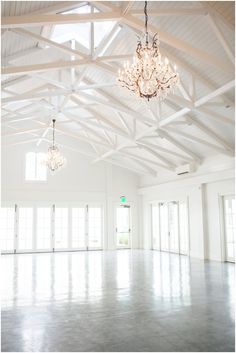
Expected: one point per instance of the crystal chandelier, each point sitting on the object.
(54, 160)
(148, 76)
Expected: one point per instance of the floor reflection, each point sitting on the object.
(166, 301)
(39, 278)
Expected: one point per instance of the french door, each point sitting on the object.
(229, 227)
(55, 228)
(170, 227)
(7, 229)
(123, 227)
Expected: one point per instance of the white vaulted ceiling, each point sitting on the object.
(96, 117)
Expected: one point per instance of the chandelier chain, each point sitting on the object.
(146, 21)
(53, 132)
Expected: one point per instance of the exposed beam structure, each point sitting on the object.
(193, 138)
(198, 103)
(211, 134)
(179, 145)
(220, 36)
(57, 19)
(117, 128)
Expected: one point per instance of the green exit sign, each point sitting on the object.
(122, 199)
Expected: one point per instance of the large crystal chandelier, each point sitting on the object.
(54, 160)
(148, 75)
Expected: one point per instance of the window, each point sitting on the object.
(61, 227)
(25, 232)
(229, 222)
(94, 227)
(78, 228)
(43, 235)
(7, 221)
(34, 167)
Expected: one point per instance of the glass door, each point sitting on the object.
(229, 225)
(183, 227)
(173, 227)
(123, 227)
(25, 229)
(94, 227)
(78, 225)
(7, 229)
(170, 227)
(155, 227)
(61, 228)
(43, 229)
(164, 227)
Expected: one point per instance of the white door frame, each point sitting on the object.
(158, 204)
(223, 235)
(125, 205)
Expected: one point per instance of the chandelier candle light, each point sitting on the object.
(148, 76)
(54, 160)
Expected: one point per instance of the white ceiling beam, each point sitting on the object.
(193, 138)
(215, 115)
(56, 65)
(215, 93)
(51, 43)
(172, 12)
(119, 106)
(165, 150)
(214, 11)
(220, 36)
(198, 103)
(114, 127)
(59, 7)
(19, 142)
(179, 145)
(13, 81)
(165, 160)
(82, 138)
(141, 163)
(21, 132)
(125, 144)
(23, 53)
(211, 134)
(56, 19)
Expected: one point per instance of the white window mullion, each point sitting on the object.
(34, 235)
(69, 228)
(86, 227)
(16, 230)
(53, 228)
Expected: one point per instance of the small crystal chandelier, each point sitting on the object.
(54, 160)
(148, 76)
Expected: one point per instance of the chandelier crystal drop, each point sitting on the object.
(148, 75)
(54, 160)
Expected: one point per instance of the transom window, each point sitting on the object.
(34, 167)
(81, 32)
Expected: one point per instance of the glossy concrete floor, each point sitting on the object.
(116, 301)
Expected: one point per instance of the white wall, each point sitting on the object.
(202, 193)
(79, 181)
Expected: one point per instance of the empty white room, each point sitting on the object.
(117, 217)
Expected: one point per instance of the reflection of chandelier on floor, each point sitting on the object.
(54, 160)
(148, 76)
